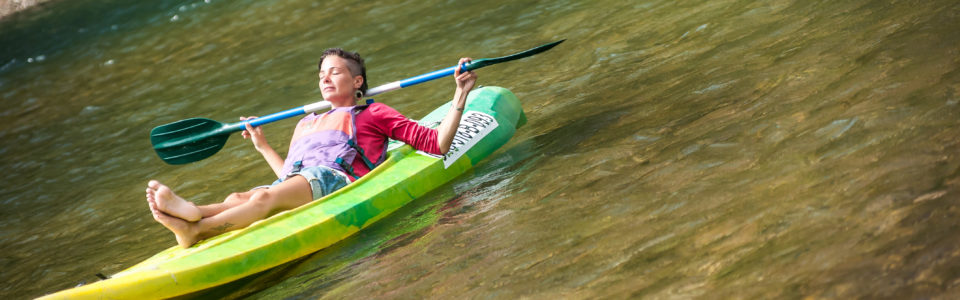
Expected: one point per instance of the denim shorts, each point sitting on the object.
(323, 180)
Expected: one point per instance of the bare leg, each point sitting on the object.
(238, 211)
(171, 204)
(291, 193)
(233, 200)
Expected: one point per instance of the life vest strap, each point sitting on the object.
(363, 156)
(347, 167)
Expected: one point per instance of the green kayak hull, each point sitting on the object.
(490, 119)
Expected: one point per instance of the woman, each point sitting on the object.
(327, 151)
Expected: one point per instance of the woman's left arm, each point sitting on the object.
(448, 127)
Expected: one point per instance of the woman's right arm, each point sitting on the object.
(255, 134)
(448, 127)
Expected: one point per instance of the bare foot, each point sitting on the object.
(171, 204)
(185, 232)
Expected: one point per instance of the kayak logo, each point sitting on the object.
(473, 127)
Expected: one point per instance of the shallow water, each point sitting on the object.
(674, 149)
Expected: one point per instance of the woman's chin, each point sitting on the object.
(331, 97)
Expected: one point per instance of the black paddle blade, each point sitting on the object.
(537, 50)
(189, 140)
(529, 52)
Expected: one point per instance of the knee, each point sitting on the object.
(263, 199)
(234, 197)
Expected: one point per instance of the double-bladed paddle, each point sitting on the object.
(191, 140)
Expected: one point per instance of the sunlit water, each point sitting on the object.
(674, 149)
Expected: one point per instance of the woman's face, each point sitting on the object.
(337, 84)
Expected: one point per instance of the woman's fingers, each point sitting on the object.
(463, 60)
(250, 129)
(465, 80)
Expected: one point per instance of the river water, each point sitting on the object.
(674, 149)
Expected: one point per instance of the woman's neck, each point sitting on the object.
(343, 103)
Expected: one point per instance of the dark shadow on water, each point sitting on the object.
(568, 137)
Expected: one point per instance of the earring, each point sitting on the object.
(359, 94)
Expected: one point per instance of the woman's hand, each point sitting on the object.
(465, 80)
(255, 134)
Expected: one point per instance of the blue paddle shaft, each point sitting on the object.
(431, 76)
(240, 126)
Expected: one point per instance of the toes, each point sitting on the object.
(153, 184)
(151, 197)
(152, 187)
(153, 207)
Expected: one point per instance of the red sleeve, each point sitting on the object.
(378, 122)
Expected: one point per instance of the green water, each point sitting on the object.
(674, 149)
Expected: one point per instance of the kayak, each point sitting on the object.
(490, 118)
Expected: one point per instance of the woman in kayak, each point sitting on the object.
(327, 151)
